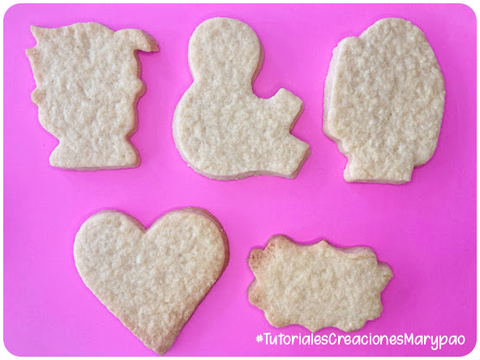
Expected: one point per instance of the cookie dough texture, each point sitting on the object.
(152, 280)
(384, 101)
(221, 129)
(87, 91)
(317, 285)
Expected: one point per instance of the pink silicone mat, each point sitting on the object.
(425, 230)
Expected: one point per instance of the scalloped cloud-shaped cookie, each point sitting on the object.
(87, 91)
(317, 285)
(221, 129)
(384, 101)
(152, 279)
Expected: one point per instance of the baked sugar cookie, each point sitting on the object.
(384, 100)
(317, 285)
(221, 129)
(154, 279)
(87, 91)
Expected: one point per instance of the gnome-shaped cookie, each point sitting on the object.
(384, 99)
(221, 129)
(87, 89)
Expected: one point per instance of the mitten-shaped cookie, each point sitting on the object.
(384, 100)
(87, 90)
(221, 129)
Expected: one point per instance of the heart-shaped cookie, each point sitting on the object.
(151, 279)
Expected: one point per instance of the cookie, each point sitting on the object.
(317, 285)
(87, 91)
(152, 280)
(221, 129)
(384, 101)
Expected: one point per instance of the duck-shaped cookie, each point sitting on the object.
(221, 129)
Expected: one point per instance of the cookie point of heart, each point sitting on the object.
(152, 279)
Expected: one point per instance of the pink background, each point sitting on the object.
(425, 230)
